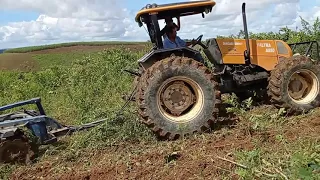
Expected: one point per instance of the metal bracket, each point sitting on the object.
(36, 101)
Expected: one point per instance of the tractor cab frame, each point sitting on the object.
(151, 14)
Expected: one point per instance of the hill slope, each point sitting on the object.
(263, 143)
(71, 44)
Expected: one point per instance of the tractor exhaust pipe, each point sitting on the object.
(245, 25)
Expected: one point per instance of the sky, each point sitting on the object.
(39, 22)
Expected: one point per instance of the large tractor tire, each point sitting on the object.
(294, 85)
(178, 96)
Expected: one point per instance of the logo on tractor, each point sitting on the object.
(232, 43)
(268, 45)
(270, 50)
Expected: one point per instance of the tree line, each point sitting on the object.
(308, 32)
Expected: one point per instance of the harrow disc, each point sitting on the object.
(16, 151)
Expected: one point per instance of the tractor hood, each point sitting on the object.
(174, 9)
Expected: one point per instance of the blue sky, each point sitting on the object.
(7, 16)
(307, 4)
(35, 22)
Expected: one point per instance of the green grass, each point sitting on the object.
(6, 170)
(298, 160)
(80, 88)
(274, 156)
(77, 88)
(53, 46)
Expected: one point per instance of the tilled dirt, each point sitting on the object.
(15, 61)
(194, 158)
(302, 130)
(25, 62)
(86, 48)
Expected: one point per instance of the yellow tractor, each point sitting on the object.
(178, 94)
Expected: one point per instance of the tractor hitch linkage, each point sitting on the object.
(43, 127)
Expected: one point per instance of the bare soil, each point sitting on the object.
(25, 61)
(194, 158)
(138, 161)
(15, 61)
(85, 48)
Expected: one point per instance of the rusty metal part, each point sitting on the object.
(177, 97)
(298, 87)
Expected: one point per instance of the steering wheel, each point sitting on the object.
(198, 40)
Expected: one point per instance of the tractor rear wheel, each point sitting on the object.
(294, 84)
(178, 96)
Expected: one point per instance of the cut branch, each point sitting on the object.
(245, 167)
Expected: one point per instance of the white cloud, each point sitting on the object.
(312, 14)
(72, 20)
(226, 18)
(83, 9)
(88, 20)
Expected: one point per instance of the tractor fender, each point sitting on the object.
(156, 55)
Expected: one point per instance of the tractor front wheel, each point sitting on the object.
(178, 96)
(294, 84)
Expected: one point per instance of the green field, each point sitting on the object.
(69, 44)
(80, 87)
